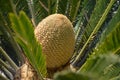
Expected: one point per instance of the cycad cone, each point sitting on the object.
(55, 34)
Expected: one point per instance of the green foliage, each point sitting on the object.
(38, 9)
(99, 67)
(62, 6)
(5, 29)
(97, 21)
(69, 8)
(68, 75)
(24, 35)
(111, 43)
(103, 67)
(42, 8)
(111, 25)
(110, 39)
(96, 16)
(87, 16)
(74, 7)
(85, 11)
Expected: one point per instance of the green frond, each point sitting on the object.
(116, 78)
(24, 35)
(110, 39)
(102, 66)
(111, 25)
(97, 67)
(111, 42)
(68, 75)
(97, 63)
(74, 8)
(97, 25)
(97, 14)
(89, 19)
(63, 6)
(7, 34)
(41, 8)
(112, 71)
(85, 10)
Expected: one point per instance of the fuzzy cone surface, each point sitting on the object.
(56, 35)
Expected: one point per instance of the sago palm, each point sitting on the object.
(36, 47)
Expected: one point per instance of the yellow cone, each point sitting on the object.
(55, 34)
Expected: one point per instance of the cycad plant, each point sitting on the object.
(96, 25)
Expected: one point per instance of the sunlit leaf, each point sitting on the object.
(24, 35)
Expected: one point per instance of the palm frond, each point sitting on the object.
(69, 8)
(38, 9)
(116, 78)
(112, 71)
(63, 6)
(68, 75)
(110, 46)
(111, 24)
(97, 15)
(6, 31)
(111, 42)
(102, 66)
(85, 10)
(24, 35)
(98, 67)
(87, 17)
(109, 39)
(47, 7)
(41, 8)
(74, 8)
(96, 24)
